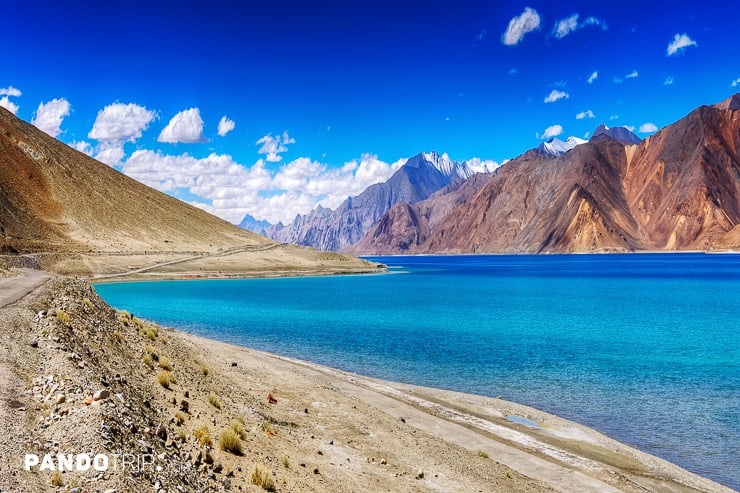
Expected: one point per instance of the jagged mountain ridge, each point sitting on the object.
(556, 147)
(416, 180)
(255, 226)
(678, 189)
(620, 134)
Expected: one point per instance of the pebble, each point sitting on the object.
(61, 398)
(101, 394)
(420, 474)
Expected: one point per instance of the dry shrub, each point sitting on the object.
(203, 435)
(230, 442)
(262, 477)
(166, 378)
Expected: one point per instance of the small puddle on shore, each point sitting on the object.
(523, 421)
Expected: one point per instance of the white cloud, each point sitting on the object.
(631, 128)
(513, 71)
(551, 131)
(735, 83)
(225, 126)
(647, 128)
(273, 146)
(121, 122)
(9, 105)
(679, 44)
(231, 190)
(669, 81)
(110, 152)
(82, 146)
(556, 95)
(614, 117)
(591, 78)
(186, 127)
(525, 23)
(565, 26)
(479, 165)
(593, 21)
(617, 80)
(585, 114)
(632, 75)
(10, 91)
(570, 24)
(49, 116)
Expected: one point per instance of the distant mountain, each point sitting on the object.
(620, 134)
(678, 189)
(251, 224)
(556, 147)
(416, 180)
(407, 226)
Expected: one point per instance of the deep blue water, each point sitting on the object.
(644, 348)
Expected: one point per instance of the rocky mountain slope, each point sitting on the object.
(407, 226)
(678, 189)
(77, 215)
(416, 180)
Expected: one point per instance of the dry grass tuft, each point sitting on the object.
(165, 363)
(230, 442)
(180, 418)
(483, 454)
(238, 428)
(261, 477)
(117, 335)
(124, 318)
(203, 435)
(148, 361)
(88, 303)
(204, 369)
(63, 317)
(57, 480)
(213, 399)
(166, 378)
(268, 428)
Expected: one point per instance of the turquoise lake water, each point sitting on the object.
(644, 348)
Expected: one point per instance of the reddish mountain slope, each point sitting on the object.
(677, 190)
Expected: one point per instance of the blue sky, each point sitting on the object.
(321, 99)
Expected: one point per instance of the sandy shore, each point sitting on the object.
(323, 430)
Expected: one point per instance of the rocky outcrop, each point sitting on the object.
(678, 189)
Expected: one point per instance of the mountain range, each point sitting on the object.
(678, 189)
(416, 180)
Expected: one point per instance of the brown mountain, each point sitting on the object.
(677, 190)
(77, 214)
(407, 226)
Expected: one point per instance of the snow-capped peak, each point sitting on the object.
(556, 147)
(446, 166)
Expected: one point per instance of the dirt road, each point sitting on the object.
(14, 288)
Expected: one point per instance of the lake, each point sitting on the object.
(642, 347)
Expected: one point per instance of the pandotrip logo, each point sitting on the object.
(91, 462)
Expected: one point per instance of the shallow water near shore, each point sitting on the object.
(644, 348)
